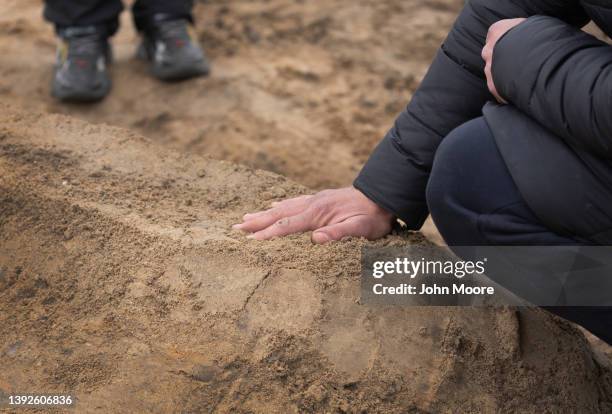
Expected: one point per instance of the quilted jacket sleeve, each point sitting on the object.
(561, 77)
(453, 92)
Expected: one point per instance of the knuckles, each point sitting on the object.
(283, 222)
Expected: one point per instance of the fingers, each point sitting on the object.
(496, 32)
(287, 225)
(332, 214)
(491, 84)
(261, 220)
(357, 226)
(487, 56)
(293, 202)
(257, 221)
(486, 52)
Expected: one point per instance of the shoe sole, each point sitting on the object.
(176, 73)
(67, 94)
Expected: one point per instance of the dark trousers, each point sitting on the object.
(105, 13)
(474, 202)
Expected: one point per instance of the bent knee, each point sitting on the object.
(458, 165)
(468, 178)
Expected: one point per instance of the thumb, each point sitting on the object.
(354, 226)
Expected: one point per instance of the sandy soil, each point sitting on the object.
(304, 89)
(122, 282)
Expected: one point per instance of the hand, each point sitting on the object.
(496, 31)
(331, 214)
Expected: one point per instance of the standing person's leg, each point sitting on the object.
(169, 44)
(79, 13)
(84, 52)
(148, 12)
(475, 202)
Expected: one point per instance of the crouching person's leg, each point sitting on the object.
(473, 199)
(474, 202)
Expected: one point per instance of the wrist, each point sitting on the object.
(375, 207)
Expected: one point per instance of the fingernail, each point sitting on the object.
(237, 226)
(320, 237)
(250, 236)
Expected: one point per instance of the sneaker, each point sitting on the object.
(80, 72)
(172, 51)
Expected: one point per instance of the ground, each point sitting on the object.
(122, 282)
(120, 277)
(303, 89)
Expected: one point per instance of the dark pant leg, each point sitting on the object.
(473, 199)
(474, 202)
(100, 13)
(147, 11)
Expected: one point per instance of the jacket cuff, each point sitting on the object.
(383, 181)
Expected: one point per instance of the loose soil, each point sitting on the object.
(122, 282)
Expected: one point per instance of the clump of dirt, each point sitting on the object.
(121, 282)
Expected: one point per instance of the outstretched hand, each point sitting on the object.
(330, 214)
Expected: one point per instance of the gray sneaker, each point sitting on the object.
(81, 73)
(172, 51)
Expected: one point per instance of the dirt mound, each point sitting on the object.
(303, 89)
(297, 87)
(122, 282)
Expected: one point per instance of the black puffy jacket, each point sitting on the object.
(555, 135)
